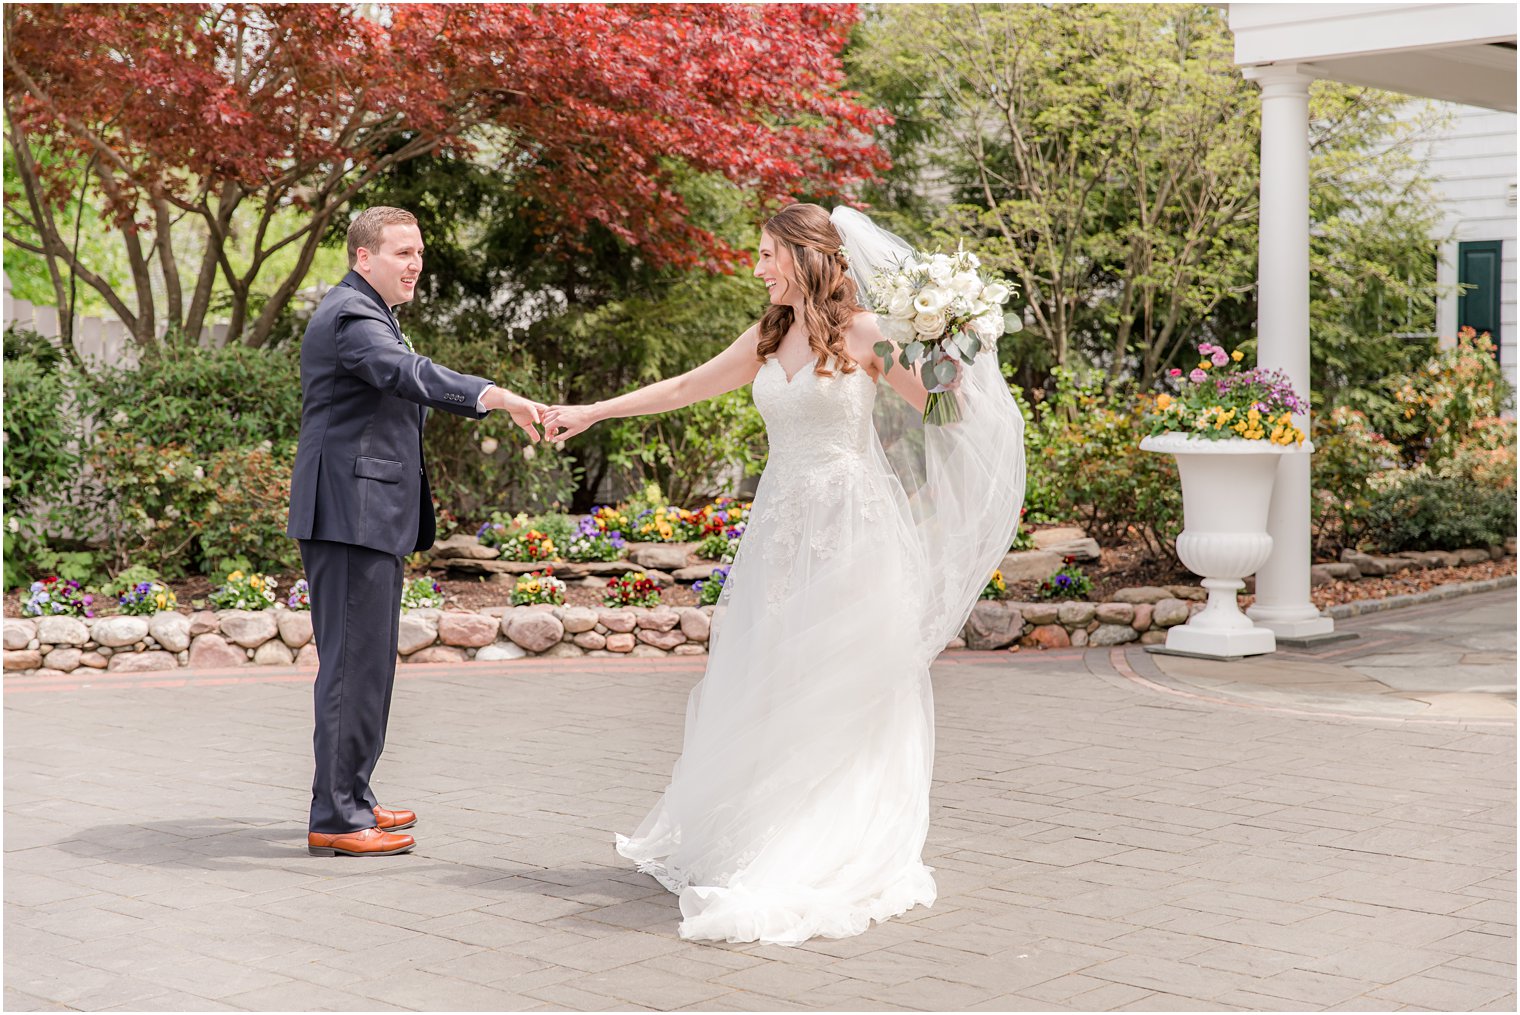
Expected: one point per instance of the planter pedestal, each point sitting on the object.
(1226, 492)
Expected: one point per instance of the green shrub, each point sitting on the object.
(1347, 454)
(1420, 509)
(695, 454)
(41, 457)
(1087, 454)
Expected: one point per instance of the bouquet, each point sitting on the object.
(1217, 400)
(243, 592)
(938, 314)
(537, 588)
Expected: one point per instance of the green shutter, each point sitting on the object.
(1478, 270)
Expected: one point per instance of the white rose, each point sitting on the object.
(995, 293)
(931, 301)
(901, 304)
(966, 283)
(897, 330)
(929, 325)
(489, 445)
(988, 327)
(940, 269)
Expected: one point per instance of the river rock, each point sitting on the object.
(621, 642)
(96, 661)
(696, 572)
(660, 556)
(19, 633)
(689, 649)
(661, 618)
(661, 639)
(171, 630)
(295, 627)
(535, 631)
(1142, 619)
(1170, 613)
(142, 662)
(1047, 636)
(1364, 563)
(500, 652)
(647, 651)
(618, 621)
(307, 657)
(1076, 614)
(579, 619)
(1078, 549)
(204, 622)
(1343, 572)
(67, 631)
(117, 632)
(1079, 638)
(463, 546)
(22, 659)
(1192, 593)
(437, 654)
(993, 625)
(468, 630)
(416, 632)
(1029, 565)
(274, 652)
(1112, 634)
(1472, 555)
(564, 650)
(1153, 638)
(1115, 613)
(65, 659)
(211, 652)
(1044, 539)
(1039, 613)
(1141, 594)
(590, 640)
(248, 628)
(695, 624)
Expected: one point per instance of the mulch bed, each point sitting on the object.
(1120, 567)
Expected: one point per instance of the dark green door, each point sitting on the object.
(1478, 267)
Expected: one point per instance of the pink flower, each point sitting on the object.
(1205, 348)
(1174, 372)
(1220, 357)
(1198, 376)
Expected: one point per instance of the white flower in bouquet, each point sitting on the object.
(938, 313)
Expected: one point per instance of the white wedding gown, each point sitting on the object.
(800, 803)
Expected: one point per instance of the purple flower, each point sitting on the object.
(1063, 580)
(1198, 376)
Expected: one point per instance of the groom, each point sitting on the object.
(359, 502)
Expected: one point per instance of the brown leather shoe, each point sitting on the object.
(388, 820)
(367, 842)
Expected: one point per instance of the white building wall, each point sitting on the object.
(1472, 159)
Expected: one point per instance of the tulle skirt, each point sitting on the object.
(800, 804)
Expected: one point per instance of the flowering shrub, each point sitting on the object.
(517, 539)
(611, 519)
(421, 593)
(1347, 454)
(1218, 401)
(539, 587)
(300, 595)
(708, 591)
(243, 592)
(1023, 538)
(633, 589)
(51, 597)
(591, 542)
(996, 588)
(1067, 583)
(1435, 406)
(146, 599)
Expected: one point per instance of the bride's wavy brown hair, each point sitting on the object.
(830, 301)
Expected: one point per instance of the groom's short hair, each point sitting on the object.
(369, 225)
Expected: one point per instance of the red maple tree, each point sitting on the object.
(179, 115)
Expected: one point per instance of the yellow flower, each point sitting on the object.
(1163, 402)
(1253, 415)
(1204, 364)
(1237, 355)
(235, 576)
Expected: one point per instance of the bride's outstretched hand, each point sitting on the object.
(562, 422)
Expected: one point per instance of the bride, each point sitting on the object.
(800, 803)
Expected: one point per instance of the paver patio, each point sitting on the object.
(1109, 832)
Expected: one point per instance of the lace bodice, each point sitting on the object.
(814, 422)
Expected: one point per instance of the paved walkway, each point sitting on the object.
(1109, 831)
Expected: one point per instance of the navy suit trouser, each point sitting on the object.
(356, 620)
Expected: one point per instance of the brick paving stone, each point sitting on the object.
(1099, 846)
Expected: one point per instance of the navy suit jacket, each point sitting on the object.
(359, 474)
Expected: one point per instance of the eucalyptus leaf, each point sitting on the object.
(944, 371)
(914, 352)
(883, 349)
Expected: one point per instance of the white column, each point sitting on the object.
(1282, 585)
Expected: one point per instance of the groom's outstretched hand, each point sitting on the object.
(562, 422)
(525, 412)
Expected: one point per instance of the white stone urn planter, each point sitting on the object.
(1226, 490)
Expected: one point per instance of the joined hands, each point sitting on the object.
(525, 412)
(562, 422)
